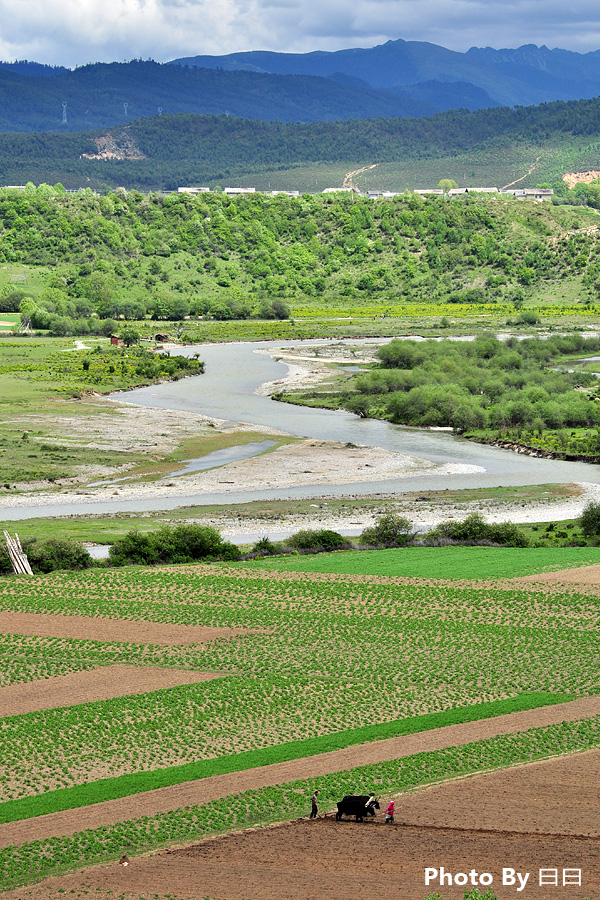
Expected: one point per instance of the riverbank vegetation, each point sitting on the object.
(531, 393)
(192, 542)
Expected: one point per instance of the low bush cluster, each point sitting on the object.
(49, 556)
(388, 531)
(391, 530)
(318, 541)
(475, 530)
(181, 544)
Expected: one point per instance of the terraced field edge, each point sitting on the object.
(38, 859)
(139, 782)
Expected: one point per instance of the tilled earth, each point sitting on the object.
(542, 816)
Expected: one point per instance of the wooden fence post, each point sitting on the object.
(19, 560)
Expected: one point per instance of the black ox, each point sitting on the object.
(356, 805)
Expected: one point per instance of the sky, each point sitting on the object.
(76, 32)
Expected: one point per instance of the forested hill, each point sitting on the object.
(115, 93)
(178, 150)
(126, 254)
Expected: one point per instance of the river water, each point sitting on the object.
(235, 371)
(227, 391)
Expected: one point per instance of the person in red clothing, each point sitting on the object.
(389, 813)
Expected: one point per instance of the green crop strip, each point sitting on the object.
(324, 655)
(127, 785)
(447, 562)
(38, 859)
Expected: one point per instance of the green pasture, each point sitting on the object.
(45, 383)
(469, 563)
(105, 529)
(29, 279)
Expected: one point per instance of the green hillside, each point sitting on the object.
(487, 147)
(131, 256)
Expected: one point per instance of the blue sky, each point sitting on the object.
(74, 32)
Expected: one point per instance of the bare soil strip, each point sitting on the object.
(326, 860)
(584, 575)
(517, 800)
(95, 684)
(119, 630)
(207, 789)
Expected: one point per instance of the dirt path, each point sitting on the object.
(95, 684)
(207, 789)
(120, 630)
(350, 176)
(529, 171)
(531, 817)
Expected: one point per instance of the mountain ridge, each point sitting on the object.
(398, 78)
(509, 76)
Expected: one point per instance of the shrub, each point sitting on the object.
(54, 554)
(318, 541)
(590, 519)
(266, 547)
(181, 544)
(389, 530)
(474, 529)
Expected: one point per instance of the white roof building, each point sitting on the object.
(530, 193)
(237, 191)
(382, 195)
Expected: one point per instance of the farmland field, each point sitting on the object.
(339, 682)
(445, 562)
(310, 859)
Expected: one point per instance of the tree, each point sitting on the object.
(446, 185)
(130, 336)
(590, 519)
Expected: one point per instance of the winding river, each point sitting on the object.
(227, 391)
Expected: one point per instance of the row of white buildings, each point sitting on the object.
(538, 194)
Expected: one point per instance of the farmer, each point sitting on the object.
(370, 802)
(389, 813)
(314, 810)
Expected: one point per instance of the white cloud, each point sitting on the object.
(73, 32)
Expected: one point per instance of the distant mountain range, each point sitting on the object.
(526, 76)
(106, 94)
(396, 79)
